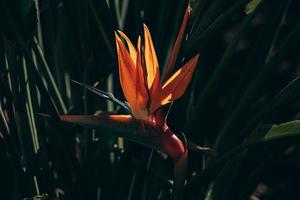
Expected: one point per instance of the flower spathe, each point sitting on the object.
(140, 76)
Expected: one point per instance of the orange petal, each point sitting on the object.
(131, 48)
(155, 93)
(177, 45)
(141, 90)
(176, 85)
(150, 58)
(127, 73)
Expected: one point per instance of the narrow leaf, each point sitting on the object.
(251, 6)
(283, 130)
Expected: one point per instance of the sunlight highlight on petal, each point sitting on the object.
(132, 50)
(150, 58)
(140, 76)
(127, 73)
(176, 85)
(141, 90)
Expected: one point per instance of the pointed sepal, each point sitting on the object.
(177, 45)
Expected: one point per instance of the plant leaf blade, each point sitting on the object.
(290, 128)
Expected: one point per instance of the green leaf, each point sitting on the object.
(26, 6)
(251, 6)
(49, 76)
(256, 86)
(201, 35)
(276, 106)
(287, 129)
(19, 15)
(213, 85)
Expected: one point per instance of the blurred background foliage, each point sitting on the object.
(245, 89)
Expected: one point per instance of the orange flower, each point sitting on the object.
(140, 77)
(147, 97)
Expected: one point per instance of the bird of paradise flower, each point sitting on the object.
(148, 100)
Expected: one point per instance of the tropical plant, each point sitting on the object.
(236, 125)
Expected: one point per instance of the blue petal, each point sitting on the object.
(106, 95)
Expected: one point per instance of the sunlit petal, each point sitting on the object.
(150, 58)
(141, 90)
(176, 85)
(131, 47)
(127, 73)
(155, 93)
